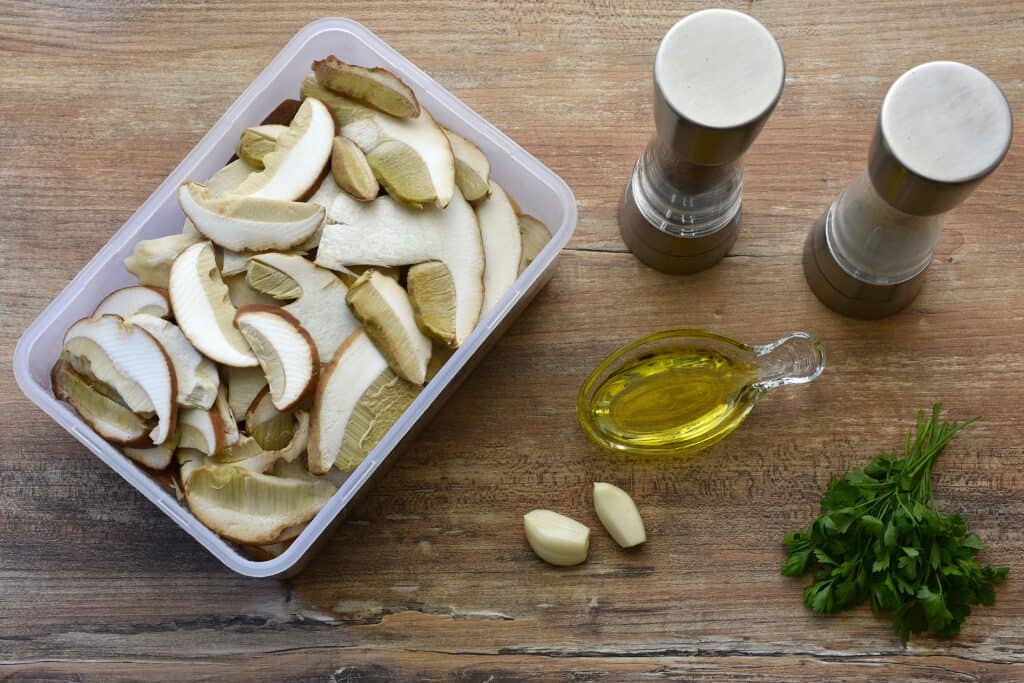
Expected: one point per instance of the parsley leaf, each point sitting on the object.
(880, 538)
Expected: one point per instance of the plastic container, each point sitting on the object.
(538, 190)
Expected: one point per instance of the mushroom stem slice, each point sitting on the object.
(202, 306)
(151, 260)
(111, 420)
(249, 507)
(357, 401)
(128, 301)
(285, 351)
(247, 223)
(383, 307)
(137, 357)
(374, 87)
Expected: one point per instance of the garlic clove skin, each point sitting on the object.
(555, 538)
(619, 515)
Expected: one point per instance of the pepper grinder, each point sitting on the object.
(943, 127)
(717, 77)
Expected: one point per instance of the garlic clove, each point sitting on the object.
(619, 515)
(555, 538)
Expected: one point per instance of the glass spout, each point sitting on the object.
(797, 358)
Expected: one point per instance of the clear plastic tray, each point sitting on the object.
(538, 190)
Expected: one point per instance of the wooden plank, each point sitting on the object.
(431, 577)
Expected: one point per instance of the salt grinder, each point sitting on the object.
(943, 127)
(717, 77)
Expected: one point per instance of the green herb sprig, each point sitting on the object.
(880, 537)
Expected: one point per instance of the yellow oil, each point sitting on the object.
(673, 401)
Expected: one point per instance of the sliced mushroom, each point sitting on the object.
(203, 309)
(535, 235)
(137, 357)
(374, 87)
(432, 294)
(411, 158)
(201, 430)
(386, 233)
(228, 422)
(249, 507)
(352, 171)
(383, 307)
(249, 454)
(319, 297)
(257, 142)
(271, 428)
(196, 375)
(151, 260)
(189, 460)
(294, 167)
(285, 351)
(128, 301)
(503, 245)
(154, 457)
(472, 169)
(111, 420)
(244, 385)
(357, 401)
(242, 294)
(249, 223)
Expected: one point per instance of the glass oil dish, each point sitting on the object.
(680, 391)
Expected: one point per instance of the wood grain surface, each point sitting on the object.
(431, 577)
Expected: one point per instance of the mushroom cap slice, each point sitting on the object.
(319, 297)
(128, 301)
(111, 420)
(411, 157)
(202, 430)
(383, 307)
(196, 375)
(386, 233)
(271, 428)
(294, 167)
(151, 260)
(249, 507)
(351, 171)
(503, 245)
(249, 454)
(244, 223)
(257, 142)
(244, 385)
(432, 295)
(285, 351)
(357, 401)
(472, 169)
(203, 309)
(372, 86)
(535, 236)
(139, 358)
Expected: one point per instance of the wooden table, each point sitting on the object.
(431, 575)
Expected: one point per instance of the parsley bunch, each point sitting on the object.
(879, 537)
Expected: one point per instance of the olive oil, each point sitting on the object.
(687, 397)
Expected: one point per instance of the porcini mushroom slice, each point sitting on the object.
(227, 417)
(151, 260)
(242, 294)
(372, 86)
(111, 420)
(135, 355)
(154, 457)
(503, 245)
(257, 142)
(386, 233)
(411, 158)
(535, 235)
(432, 295)
(472, 169)
(300, 156)
(128, 301)
(358, 399)
(248, 453)
(271, 428)
(88, 359)
(201, 430)
(383, 307)
(352, 171)
(285, 351)
(203, 309)
(243, 384)
(249, 507)
(196, 375)
(249, 223)
(318, 297)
